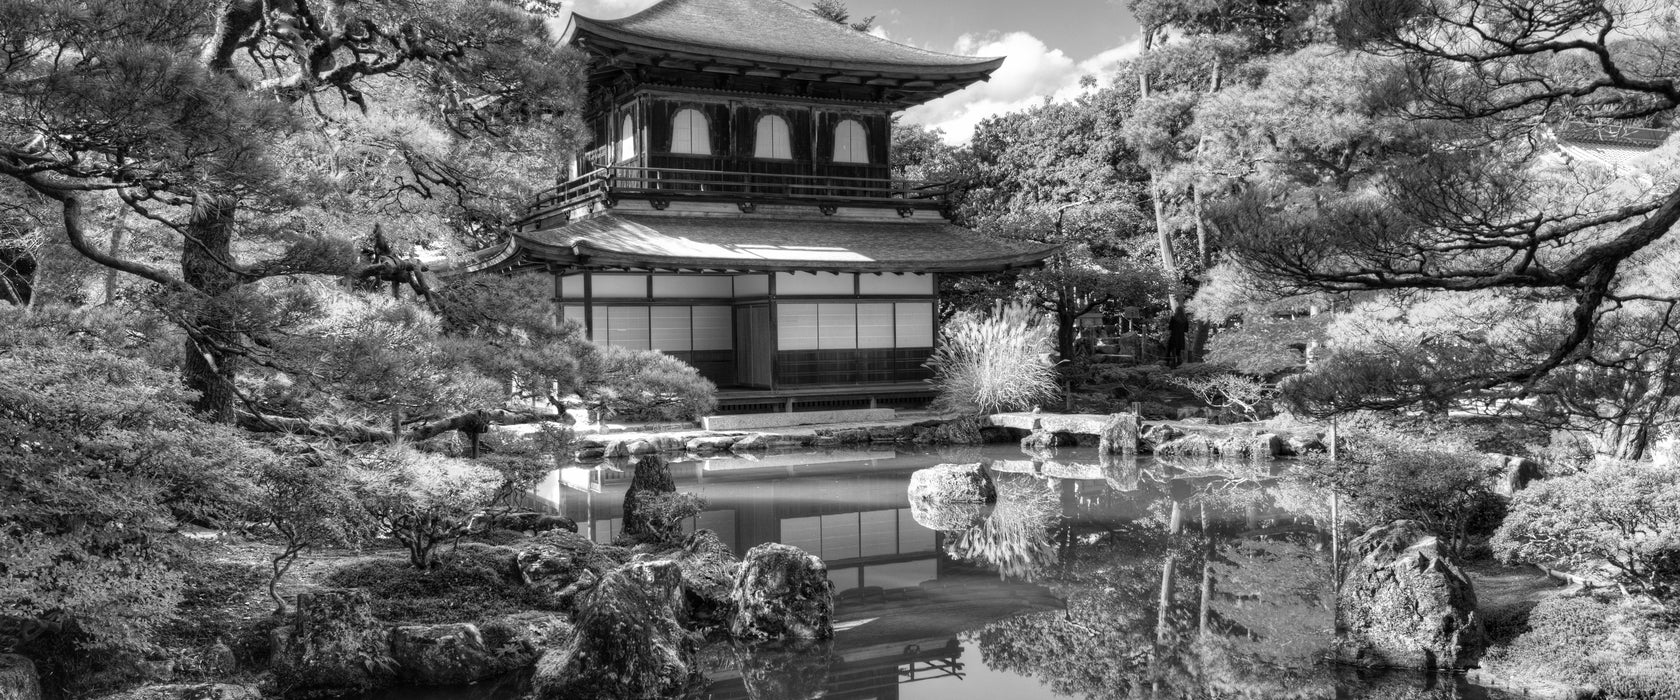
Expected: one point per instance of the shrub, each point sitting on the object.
(1646, 680)
(995, 362)
(1450, 492)
(423, 500)
(659, 517)
(1265, 347)
(470, 584)
(100, 462)
(1624, 648)
(643, 385)
(1558, 630)
(525, 460)
(1624, 514)
(309, 504)
(1246, 396)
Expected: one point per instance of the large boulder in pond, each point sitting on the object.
(651, 478)
(953, 483)
(781, 592)
(1119, 435)
(708, 577)
(334, 645)
(628, 643)
(18, 679)
(1404, 604)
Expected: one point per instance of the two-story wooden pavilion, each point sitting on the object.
(736, 208)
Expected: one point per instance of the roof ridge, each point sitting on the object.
(850, 31)
(634, 24)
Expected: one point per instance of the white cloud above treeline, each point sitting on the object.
(1031, 72)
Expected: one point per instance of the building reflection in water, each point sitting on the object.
(901, 601)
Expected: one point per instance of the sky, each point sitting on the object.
(1049, 45)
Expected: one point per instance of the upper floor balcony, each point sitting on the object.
(664, 183)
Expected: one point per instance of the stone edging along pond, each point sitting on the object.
(1034, 430)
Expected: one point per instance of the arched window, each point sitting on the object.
(626, 140)
(851, 145)
(690, 133)
(772, 138)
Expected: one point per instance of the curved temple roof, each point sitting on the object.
(1607, 144)
(770, 31)
(631, 241)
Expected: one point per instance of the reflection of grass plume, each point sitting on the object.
(1016, 538)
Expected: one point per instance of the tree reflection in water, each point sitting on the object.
(1206, 589)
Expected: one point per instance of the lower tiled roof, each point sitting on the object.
(753, 242)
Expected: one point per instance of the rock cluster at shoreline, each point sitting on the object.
(1036, 432)
(627, 622)
(704, 443)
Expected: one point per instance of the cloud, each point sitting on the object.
(1031, 72)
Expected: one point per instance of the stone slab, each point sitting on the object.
(1078, 423)
(755, 421)
(1018, 421)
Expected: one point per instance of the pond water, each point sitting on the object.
(1092, 577)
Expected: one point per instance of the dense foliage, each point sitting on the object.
(271, 138)
(1389, 476)
(423, 500)
(1626, 649)
(309, 503)
(104, 465)
(1620, 516)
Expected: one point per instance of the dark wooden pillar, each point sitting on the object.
(560, 299)
(589, 305)
(775, 333)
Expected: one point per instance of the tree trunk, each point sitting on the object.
(119, 235)
(281, 564)
(1629, 435)
(1178, 326)
(1624, 441)
(1064, 333)
(206, 265)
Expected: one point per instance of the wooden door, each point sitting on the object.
(755, 345)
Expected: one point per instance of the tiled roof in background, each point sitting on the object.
(1612, 134)
(1609, 144)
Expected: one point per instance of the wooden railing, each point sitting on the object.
(615, 182)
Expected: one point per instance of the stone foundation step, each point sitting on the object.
(757, 421)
